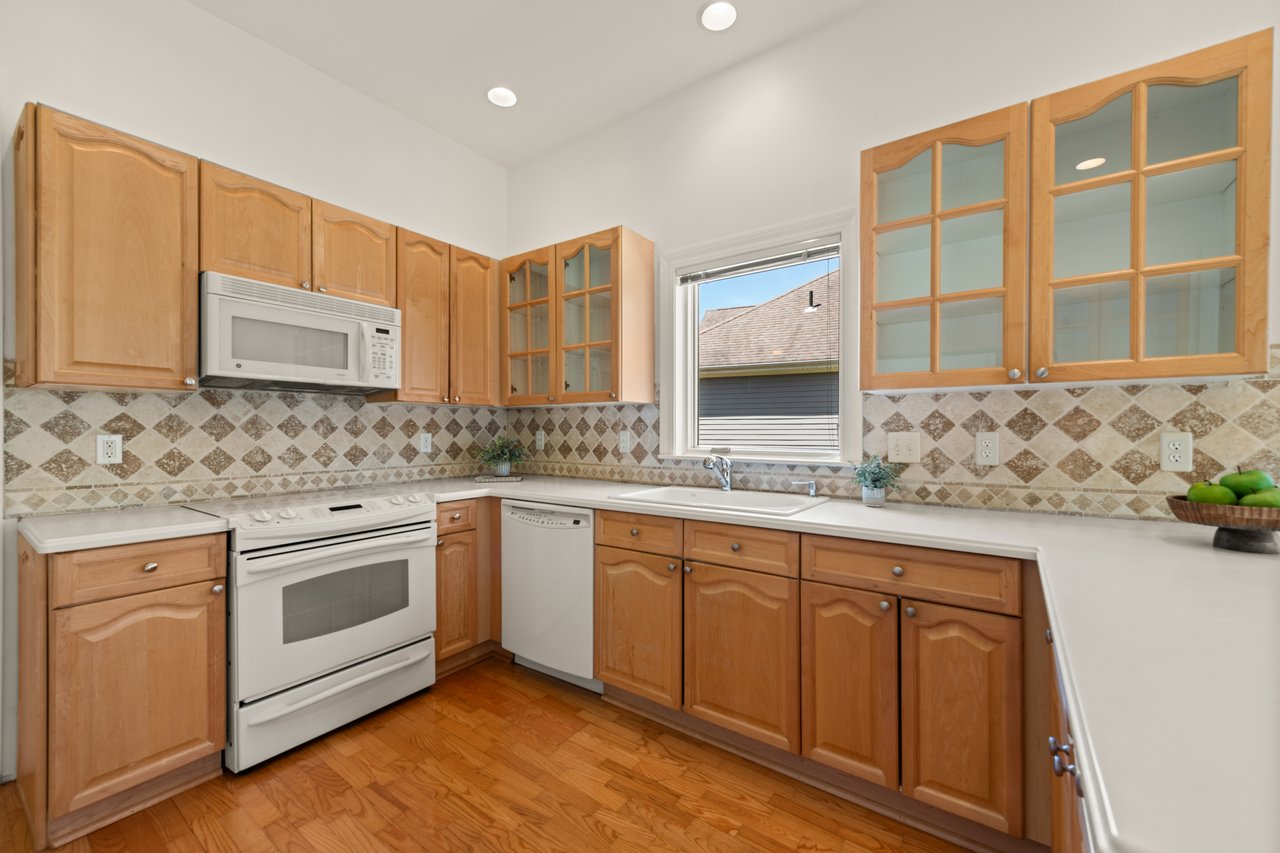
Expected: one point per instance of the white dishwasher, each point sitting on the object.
(548, 589)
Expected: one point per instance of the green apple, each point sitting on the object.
(1208, 493)
(1266, 497)
(1247, 482)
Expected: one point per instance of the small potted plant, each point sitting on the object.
(875, 476)
(500, 454)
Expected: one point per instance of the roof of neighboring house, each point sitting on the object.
(775, 332)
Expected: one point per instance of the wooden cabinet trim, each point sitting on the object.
(760, 549)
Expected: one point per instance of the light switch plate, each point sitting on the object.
(1175, 451)
(624, 441)
(110, 449)
(904, 447)
(539, 440)
(424, 442)
(986, 448)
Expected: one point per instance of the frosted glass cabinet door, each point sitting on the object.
(1154, 189)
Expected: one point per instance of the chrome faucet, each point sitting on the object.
(811, 486)
(722, 465)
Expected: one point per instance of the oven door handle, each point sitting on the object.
(340, 688)
(262, 565)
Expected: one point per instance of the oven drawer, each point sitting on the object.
(295, 716)
(95, 574)
(455, 517)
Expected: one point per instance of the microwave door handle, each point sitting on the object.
(262, 565)
(364, 355)
(340, 688)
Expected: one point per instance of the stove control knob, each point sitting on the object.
(413, 499)
(397, 500)
(262, 515)
(288, 513)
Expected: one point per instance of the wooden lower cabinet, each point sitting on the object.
(468, 579)
(962, 712)
(1064, 802)
(742, 652)
(457, 594)
(849, 680)
(638, 625)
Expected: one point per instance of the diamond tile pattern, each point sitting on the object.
(1078, 450)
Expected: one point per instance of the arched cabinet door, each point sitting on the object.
(943, 255)
(1150, 197)
(352, 255)
(253, 229)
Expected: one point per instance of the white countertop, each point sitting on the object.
(1169, 649)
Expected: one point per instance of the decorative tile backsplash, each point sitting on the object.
(1088, 449)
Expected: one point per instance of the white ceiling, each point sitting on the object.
(574, 64)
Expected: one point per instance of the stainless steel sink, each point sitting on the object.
(759, 503)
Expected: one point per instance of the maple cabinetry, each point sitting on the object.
(352, 255)
(465, 583)
(122, 683)
(107, 274)
(577, 322)
(253, 229)
(638, 623)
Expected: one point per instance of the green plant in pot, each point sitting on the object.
(500, 454)
(875, 476)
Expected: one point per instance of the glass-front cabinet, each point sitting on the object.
(578, 322)
(1149, 217)
(944, 255)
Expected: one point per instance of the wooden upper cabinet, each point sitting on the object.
(638, 623)
(943, 251)
(849, 681)
(352, 255)
(473, 348)
(422, 295)
(578, 322)
(962, 712)
(253, 229)
(107, 237)
(152, 667)
(1150, 207)
(742, 652)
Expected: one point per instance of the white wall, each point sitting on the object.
(776, 139)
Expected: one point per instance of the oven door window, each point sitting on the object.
(340, 600)
(270, 342)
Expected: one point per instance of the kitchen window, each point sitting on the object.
(755, 356)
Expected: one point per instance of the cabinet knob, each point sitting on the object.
(688, 570)
(190, 382)
(323, 289)
(911, 611)
(1015, 373)
(217, 589)
(457, 516)
(898, 571)
(439, 543)
(735, 547)
(1048, 636)
(1042, 372)
(884, 605)
(306, 285)
(635, 532)
(671, 567)
(150, 567)
(445, 398)
(552, 398)
(1055, 747)
(612, 396)
(1061, 765)
(457, 398)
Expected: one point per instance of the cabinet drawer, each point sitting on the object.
(774, 551)
(99, 573)
(652, 533)
(455, 517)
(948, 577)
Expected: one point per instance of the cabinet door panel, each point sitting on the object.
(473, 348)
(638, 623)
(353, 255)
(137, 688)
(252, 228)
(457, 594)
(1068, 833)
(116, 258)
(588, 273)
(849, 681)
(741, 653)
(962, 712)
(422, 287)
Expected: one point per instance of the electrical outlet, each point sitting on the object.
(904, 447)
(424, 442)
(110, 449)
(1175, 451)
(624, 441)
(986, 448)
(539, 440)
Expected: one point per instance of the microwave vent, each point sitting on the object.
(243, 288)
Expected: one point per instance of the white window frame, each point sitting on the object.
(677, 335)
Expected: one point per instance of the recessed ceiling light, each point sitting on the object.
(1091, 163)
(718, 16)
(502, 96)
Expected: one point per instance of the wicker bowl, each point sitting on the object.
(1240, 528)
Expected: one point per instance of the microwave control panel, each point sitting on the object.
(384, 370)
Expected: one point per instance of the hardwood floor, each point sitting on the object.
(497, 757)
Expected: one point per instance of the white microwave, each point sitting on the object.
(256, 335)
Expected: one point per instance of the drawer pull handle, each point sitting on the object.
(635, 532)
(217, 589)
(735, 547)
(688, 570)
(456, 516)
(884, 605)
(1055, 747)
(911, 611)
(439, 543)
(150, 567)
(898, 571)
(671, 567)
